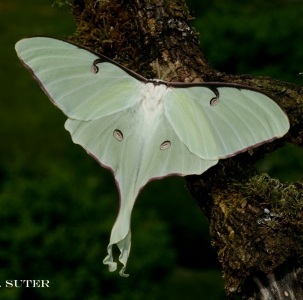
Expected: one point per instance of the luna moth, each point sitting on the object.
(144, 129)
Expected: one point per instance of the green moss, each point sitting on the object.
(257, 226)
(285, 199)
(98, 30)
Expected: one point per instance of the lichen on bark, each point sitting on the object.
(255, 221)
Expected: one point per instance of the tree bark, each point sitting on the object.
(284, 284)
(255, 221)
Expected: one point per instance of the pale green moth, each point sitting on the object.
(145, 129)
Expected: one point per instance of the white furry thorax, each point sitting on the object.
(153, 96)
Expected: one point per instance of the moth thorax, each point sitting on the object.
(154, 95)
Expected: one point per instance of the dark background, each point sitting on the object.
(57, 205)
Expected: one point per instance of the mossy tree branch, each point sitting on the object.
(255, 221)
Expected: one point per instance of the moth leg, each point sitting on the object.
(95, 68)
(215, 100)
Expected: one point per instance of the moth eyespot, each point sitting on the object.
(94, 69)
(118, 134)
(214, 101)
(165, 145)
